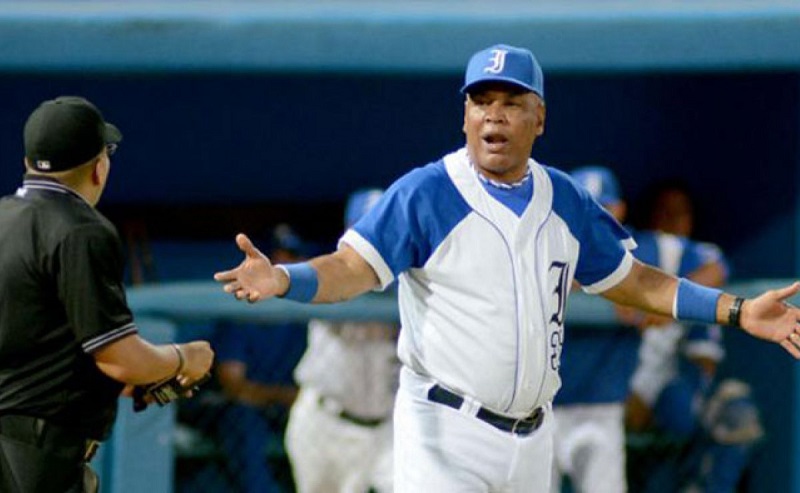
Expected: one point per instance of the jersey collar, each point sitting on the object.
(47, 184)
(499, 184)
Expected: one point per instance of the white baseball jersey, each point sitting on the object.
(349, 370)
(483, 290)
(353, 363)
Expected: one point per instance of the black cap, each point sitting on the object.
(66, 132)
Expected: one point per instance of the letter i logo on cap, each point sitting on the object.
(498, 62)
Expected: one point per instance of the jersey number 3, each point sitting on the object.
(557, 318)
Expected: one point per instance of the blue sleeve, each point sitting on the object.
(602, 239)
(696, 255)
(602, 247)
(413, 217)
(646, 247)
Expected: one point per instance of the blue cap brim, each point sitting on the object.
(507, 80)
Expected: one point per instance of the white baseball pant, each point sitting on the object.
(445, 450)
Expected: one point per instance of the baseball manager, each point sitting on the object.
(486, 243)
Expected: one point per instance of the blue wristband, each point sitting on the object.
(696, 303)
(303, 282)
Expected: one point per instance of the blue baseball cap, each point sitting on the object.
(284, 237)
(359, 203)
(504, 63)
(600, 182)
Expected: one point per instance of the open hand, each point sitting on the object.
(770, 317)
(255, 278)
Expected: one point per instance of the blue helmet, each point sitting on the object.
(600, 182)
(359, 203)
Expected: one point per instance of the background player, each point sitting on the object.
(674, 390)
(254, 369)
(485, 267)
(598, 364)
(339, 436)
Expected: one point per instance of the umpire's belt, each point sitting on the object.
(521, 426)
(46, 435)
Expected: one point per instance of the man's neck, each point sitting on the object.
(507, 180)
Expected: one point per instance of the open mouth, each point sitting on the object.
(495, 140)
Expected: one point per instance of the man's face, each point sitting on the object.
(501, 122)
(673, 213)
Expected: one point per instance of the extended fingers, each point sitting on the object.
(788, 291)
(235, 288)
(246, 246)
(241, 293)
(792, 342)
(791, 347)
(225, 276)
(232, 287)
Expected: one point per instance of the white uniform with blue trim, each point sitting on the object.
(482, 295)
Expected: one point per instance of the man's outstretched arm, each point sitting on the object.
(338, 276)
(767, 316)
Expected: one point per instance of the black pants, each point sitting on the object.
(37, 457)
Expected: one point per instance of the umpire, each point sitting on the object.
(68, 342)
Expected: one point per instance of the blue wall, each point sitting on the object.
(219, 139)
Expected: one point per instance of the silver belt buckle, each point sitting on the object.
(529, 419)
(520, 421)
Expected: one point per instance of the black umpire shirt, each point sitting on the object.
(61, 298)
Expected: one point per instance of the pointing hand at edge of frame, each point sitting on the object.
(770, 317)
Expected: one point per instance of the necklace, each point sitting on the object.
(500, 184)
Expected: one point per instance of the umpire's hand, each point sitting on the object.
(197, 360)
(255, 278)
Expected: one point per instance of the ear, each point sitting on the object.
(466, 109)
(99, 171)
(541, 113)
(619, 210)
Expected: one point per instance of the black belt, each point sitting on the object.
(352, 418)
(521, 426)
(44, 434)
